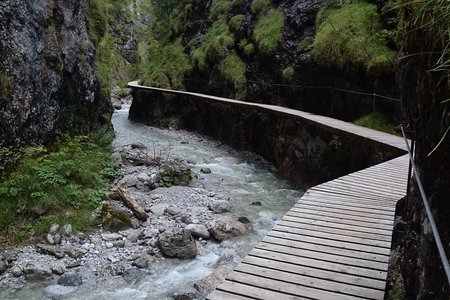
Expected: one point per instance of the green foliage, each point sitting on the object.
(350, 35)
(5, 87)
(288, 73)
(167, 66)
(259, 6)
(248, 48)
(63, 184)
(305, 43)
(268, 29)
(215, 47)
(377, 121)
(233, 69)
(236, 22)
(220, 8)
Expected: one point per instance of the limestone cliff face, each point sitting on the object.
(47, 76)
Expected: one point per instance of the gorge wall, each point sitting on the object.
(47, 75)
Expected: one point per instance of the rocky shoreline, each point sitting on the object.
(186, 215)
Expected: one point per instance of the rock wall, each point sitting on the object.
(47, 76)
(303, 153)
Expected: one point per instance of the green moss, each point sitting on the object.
(268, 29)
(288, 73)
(305, 43)
(167, 67)
(349, 35)
(259, 6)
(236, 22)
(376, 121)
(220, 8)
(63, 183)
(216, 45)
(233, 69)
(5, 87)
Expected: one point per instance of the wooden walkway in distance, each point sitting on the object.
(335, 242)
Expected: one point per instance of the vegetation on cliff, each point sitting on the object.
(352, 35)
(63, 183)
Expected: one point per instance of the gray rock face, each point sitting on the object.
(226, 227)
(178, 243)
(70, 279)
(47, 71)
(35, 271)
(198, 230)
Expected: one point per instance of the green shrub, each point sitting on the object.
(220, 8)
(259, 6)
(349, 35)
(268, 29)
(167, 66)
(305, 43)
(377, 121)
(216, 45)
(236, 22)
(233, 69)
(288, 73)
(64, 183)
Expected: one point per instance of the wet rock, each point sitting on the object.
(207, 284)
(257, 203)
(3, 266)
(177, 243)
(55, 251)
(188, 295)
(139, 146)
(140, 263)
(54, 229)
(198, 230)
(226, 227)
(205, 170)
(114, 219)
(108, 237)
(70, 279)
(59, 291)
(132, 274)
(220, 206)
(16, 271)
(66, 230)
(36, 271)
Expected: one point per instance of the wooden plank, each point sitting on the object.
(342, 210)
(387, 204)
(342, 216)
(371, 185)
(381, 180)
(350, 184)
(337, 190)
(309, 216)
(328, 229)
(323, 256)
(285, 287)
(327, 249)
(311, 282)
(352, 189)
(221, 295)
(317, 273)
(332, 243)
(318, 264)
(388, 209)
(253, 292)
(311, 221)
(333, 236)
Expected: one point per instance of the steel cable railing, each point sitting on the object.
(430, 217)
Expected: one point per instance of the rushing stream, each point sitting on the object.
(243, 176)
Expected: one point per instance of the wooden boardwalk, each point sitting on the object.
(335, 242)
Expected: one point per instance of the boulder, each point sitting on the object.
(226, 227)
(177, 170)
(16, 271)
(109, 237)
(177, 243)
(55, 251)
(36, 271)
(66, 230)
(198, 230)
(115, 219)
(54, 229)
(3, 266)
(130, 180)
(205, 170)
(220, 206)
(70, 279)
(143, 177)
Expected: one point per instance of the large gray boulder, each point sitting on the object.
(226, 227)
(177, 243)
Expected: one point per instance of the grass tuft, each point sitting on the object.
(268, 29)
(377, 121)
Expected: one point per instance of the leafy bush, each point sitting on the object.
(268, 29)
(64, 183)
(220, 8)
(259, 6)
(167, 66)
(377, 121)
(233, 69)
(349, 35)
(288, 73)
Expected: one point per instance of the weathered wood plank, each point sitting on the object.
(221, 295)
(302, 280)
(351, 204)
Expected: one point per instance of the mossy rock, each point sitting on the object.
(176, 172)
(115, 219)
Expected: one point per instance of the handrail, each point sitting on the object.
(436, 235)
